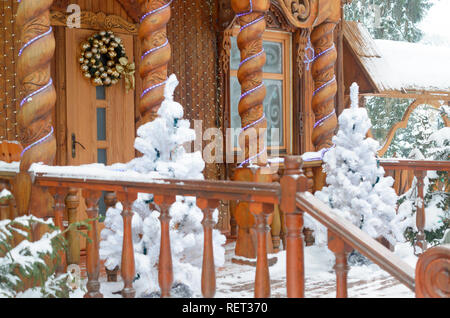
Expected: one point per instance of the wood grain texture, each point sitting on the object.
(156, 54)
(325, 85)
(433, 273)
(35, 116)
(251, 18)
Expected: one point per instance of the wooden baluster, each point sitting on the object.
(208, 267)
(292, 181)
(59, 206)
(4, 206)
(276, 229)
(92, 246)
(165, 270)
(340, 250)
(262, 212)
(110, 202)
(4, 209)
(233, 223)
(73, 238)
(128, 266)
(420, 214)
(12, 208)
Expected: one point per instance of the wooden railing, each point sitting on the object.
(262, 198)
(403, 171)
(429, 280)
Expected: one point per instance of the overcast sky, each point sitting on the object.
(436, 25)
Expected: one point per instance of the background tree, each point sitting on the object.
(396, 20)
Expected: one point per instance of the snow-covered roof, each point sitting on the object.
(399, 66)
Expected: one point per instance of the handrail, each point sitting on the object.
(260, 196)
(356, 238)
(418, 165)
(220, 190)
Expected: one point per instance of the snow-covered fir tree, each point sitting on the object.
(357, 188)
(27, 269)
(390, 19)
(437, 195)
(396, 20)
(163, 156)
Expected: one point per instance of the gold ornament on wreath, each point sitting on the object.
(104, 61)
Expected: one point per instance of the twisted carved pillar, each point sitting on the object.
(325, 85)
(34, 117)
(251, 15)
(156, 53)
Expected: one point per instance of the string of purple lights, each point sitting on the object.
(320, 122)
(324, 85)
(145, 16)
(37, 142)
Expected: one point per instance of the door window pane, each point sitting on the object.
(101, 124)
(273, 108)
(100, 92)
(274, 57)
(101, 156)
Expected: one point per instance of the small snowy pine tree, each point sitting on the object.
(27, 269)
(357, 188)
(161, 143)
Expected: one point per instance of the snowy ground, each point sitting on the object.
(365, 281)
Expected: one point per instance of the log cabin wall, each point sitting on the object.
(192, 35)
(9, 86)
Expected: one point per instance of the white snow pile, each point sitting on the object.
(357, 187)
(161, 143)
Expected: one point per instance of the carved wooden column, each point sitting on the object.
(292, 181)
(251, 15)
(208, 267)
(340, 250)
(156, 53)
(325, 85)
(72, 202)
(34, 117)
(92, 245)
(59, 195)
(165, 270)
(433, 273)
(128, 263)
(421, 243)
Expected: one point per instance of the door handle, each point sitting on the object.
(74, 146)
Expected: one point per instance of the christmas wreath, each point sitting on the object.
(104, 61)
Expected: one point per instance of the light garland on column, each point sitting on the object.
(12, 98)
(247, 161)
(145, 16)
(30, 96)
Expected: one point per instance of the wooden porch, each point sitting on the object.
(427, 279)
(290, 192)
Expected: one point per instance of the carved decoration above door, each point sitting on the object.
(97, 21)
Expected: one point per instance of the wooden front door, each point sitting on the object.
(100, 120)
